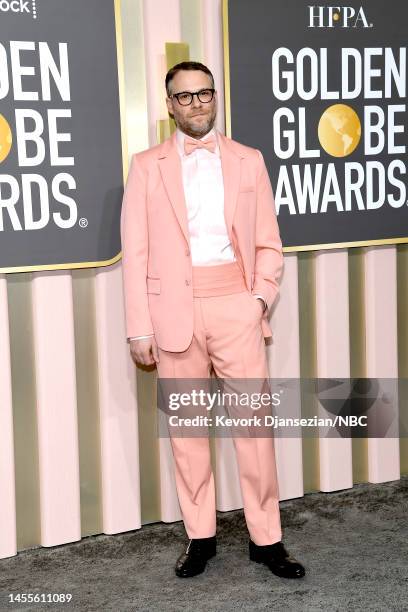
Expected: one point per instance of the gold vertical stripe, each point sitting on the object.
(148, 445)
(402, 288)
(121, 82)
(86, 364)
(165, 128)
(24, 411)
(356, 313)
(308, 364)
(227, 89)
(175, 53)
(357, 350)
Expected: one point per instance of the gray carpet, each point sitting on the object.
(353, 543)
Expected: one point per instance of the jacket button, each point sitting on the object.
(187, 282)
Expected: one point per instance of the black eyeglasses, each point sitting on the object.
(186, 97)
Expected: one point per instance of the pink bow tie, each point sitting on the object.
(191, 145)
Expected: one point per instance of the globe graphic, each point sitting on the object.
(339, 130)
(5, 138)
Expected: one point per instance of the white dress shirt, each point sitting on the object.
(204, 195)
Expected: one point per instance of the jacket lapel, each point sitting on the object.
(171, 172)
(231, 171)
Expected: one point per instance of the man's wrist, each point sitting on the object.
(259, 297)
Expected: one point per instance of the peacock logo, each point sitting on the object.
(19, 6)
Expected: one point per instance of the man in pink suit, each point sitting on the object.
(201, 259)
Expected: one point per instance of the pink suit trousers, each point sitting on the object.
(229, 339)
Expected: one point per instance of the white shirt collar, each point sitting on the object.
(180, 136)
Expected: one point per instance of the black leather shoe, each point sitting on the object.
(194, 559)
(277, 559)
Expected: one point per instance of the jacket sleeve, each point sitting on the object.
(268, 244)
(134, 239)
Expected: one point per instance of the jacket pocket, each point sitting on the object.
(153, 285)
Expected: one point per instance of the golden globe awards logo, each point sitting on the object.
(323, 97)
(371, 75)
(38, 140)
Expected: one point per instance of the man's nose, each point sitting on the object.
(196, 102)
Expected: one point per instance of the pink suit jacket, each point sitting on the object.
(156, 257)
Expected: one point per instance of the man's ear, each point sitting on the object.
(169, 107)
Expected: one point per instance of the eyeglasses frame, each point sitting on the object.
(194, 93)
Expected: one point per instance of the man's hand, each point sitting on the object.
(144, 351)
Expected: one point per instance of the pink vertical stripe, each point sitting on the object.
(284, 362)
(54, 349)
(333, 358)
(382, 348)
(117, 407)
(8, 540)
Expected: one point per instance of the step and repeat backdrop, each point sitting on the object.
(321, 90)
(61, 173)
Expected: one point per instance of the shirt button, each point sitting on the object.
(187, 282)
(187, 252)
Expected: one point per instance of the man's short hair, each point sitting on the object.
(186, 66)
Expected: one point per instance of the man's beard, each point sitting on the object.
(197, 131)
